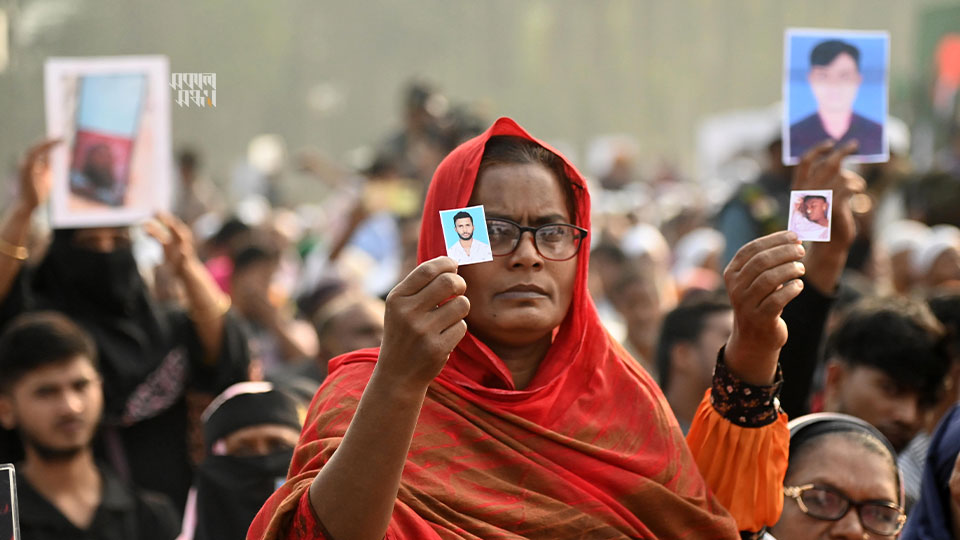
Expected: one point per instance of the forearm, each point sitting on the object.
(355, 492)
(824, 264)
(294, 339)
(208, 306)
(753, 365)
(806, 317)
(13, 234)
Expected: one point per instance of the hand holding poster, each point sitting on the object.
(113, 116)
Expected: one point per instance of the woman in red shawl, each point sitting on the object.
(498, 407)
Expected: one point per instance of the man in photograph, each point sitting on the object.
(467, 249)
(835, 79)
(813, 222)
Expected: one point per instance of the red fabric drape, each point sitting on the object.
(588, 450)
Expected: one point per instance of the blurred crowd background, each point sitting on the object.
(303, 187)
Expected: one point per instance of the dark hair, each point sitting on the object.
(684, 325)
(230, 229)
(252, 255)
(462, 215)
(38, 339)
(513, 150)
(898, 336)
(609, 251)
(808, 197)
(946, 307)
(828, 51)
(188, 157)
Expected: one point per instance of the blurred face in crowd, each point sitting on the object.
(464, 228)
(815, 209)
(518, 299)
(639, 304)
(357, 327)
(872, 395)
(260, 440)
(102, 239)
(255, 278)
(716, 331)
(835, 85)
(945, 268)
(56, 408)
(846, 468)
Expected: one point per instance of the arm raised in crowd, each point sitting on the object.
(761, 279)
(208, 305)
(34, 189)
(739, 437)
(820, 168)
(353, 495)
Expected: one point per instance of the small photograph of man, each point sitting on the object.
(810, 214)
(835, 89)
(7, 503)
(465, 235)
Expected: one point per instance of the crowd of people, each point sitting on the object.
(270, 369)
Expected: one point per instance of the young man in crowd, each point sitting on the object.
(887, 364)
(50, 392)
(690, 338)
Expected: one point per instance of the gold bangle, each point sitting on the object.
(19, 253)
(211, 313)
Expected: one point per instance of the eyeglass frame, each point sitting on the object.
(795, 493)
(533, 231)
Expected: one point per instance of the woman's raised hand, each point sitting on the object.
(761, 279)
(423, 323)
(35, 180)
(176, 239)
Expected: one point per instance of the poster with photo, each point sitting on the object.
(112, 115)
(835, 88)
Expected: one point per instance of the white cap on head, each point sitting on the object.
(940, 239)
(645, 239)
(694, 248)
(903, 235)
(898, 135)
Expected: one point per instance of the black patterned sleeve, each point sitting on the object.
(741, 403)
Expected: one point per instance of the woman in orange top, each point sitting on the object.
(498, 407)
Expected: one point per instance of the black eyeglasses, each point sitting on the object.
(880, 517)
(554, 241)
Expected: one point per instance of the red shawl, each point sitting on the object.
(589, 449)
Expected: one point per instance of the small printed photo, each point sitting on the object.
(9, 527)
(465, 235)
(835, 88)
(810, 214)
(113, 116)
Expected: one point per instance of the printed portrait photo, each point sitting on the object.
(112, 115)
(835, 88)
(810, 212)
(465, 235)
(8, 505)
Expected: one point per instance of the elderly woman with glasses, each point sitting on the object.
(499, 407)
(842, 481)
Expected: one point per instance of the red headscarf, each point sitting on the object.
(588, 449)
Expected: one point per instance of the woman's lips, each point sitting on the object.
(522, 292)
